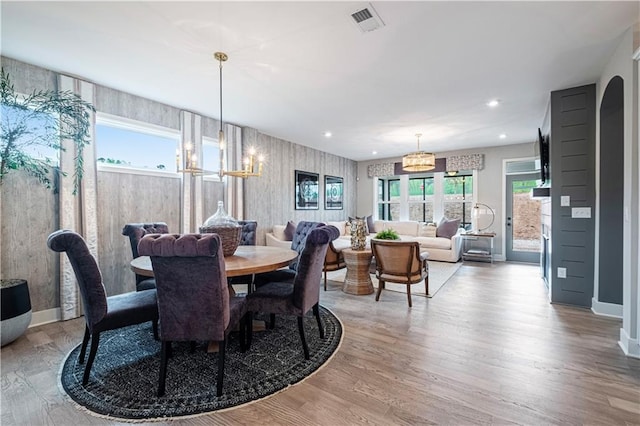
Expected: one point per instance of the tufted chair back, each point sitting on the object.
(135, 232)
(85, 267)
(248, 236)
(300, 237)
(193, 297)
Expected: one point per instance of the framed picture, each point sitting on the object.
(333, 192)
(307, 190)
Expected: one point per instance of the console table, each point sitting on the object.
(478, 246)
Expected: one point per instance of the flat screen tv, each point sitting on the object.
(542, 148)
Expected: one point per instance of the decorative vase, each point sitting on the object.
(358, 235)
(16, 309)
(226, 227)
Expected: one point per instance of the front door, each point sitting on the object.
(523, 229)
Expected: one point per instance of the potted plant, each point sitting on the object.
(387, 234)
(28, 123)
(40, 119)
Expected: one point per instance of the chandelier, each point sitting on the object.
(252, 159)
(419, 161)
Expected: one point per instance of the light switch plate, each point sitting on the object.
(562, 272)
(565, 200)
(581, 212)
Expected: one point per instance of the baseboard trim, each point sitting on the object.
(45, 317)
(605, 309)
(630, 347)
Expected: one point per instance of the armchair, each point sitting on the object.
(400, 262)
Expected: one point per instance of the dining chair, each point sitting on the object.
(101, 313)
(278, 297)
(297, 244)
(400, 262)
(135, 232)
(193, 295)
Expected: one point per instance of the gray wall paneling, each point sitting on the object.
(572, 147)
(270, 199)
(126, 198)
(29, 213)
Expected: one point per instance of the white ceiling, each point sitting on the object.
(298, 69)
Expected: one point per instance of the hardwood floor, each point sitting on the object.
(487, 349)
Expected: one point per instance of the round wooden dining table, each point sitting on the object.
(246, 260)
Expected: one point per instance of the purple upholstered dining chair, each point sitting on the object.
(297, 244)
(101, 313)
(193, 295)
(279, 297)
(135, 232)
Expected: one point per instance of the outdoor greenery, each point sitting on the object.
(40, 121)
(453, 185)
(387, 234)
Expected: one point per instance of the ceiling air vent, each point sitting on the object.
(367, 19)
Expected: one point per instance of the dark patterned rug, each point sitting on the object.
(124, 377)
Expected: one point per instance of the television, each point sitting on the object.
(542, 152)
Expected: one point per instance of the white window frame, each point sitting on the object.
(141, 127)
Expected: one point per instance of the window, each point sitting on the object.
(458, 198)
(210, 155)
(389, 199)
(136, 145)
(421, 192)
(37, 141)
(426, 197)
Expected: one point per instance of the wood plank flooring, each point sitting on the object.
(487, 349)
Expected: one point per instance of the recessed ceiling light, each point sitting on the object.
(503, 136)
(374, 152)
(327, 134)
(493, 103)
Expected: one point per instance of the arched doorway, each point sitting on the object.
(611, 193)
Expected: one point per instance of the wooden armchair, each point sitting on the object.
(400, 262)
(333, 261)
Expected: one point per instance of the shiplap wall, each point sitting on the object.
(270, 199)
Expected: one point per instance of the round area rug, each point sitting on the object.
(124, 378)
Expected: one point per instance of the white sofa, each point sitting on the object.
(439, 248)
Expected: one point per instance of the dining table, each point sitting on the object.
(247, 260)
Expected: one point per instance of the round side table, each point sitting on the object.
(357, 280)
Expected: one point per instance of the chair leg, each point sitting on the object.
(95, 339)
(243, 332)
(272, 321)
(316, 312)
(249, 329)
(155, 330)
(426, 284)
(380, 286)
(85, 342)
(409, 294)
(325, 280)
(305, 348)
(164, 359)
(221, 348)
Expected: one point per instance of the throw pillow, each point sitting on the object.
(447, 228)
(289, 231)
(427, 230)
